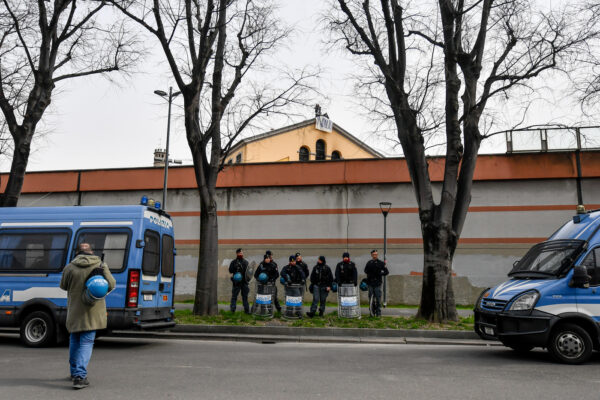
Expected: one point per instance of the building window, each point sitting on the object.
(238, 158)
(230, 161)
(303, 154)
(320, 150)
(335, 155)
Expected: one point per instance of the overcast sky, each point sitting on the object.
(93, 123)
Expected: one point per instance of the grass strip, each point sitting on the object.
(330, 320)
(330, 304)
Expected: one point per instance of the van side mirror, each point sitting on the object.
(580, 279)
(515, 263)
(140, 243)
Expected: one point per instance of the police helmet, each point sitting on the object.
(237, 277)
(262, 277)
(363, 285)
(96, 288)
(334, 286)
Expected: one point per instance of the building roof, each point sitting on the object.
(302, 124)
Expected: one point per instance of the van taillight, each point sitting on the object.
(133, 286)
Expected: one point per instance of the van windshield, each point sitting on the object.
(550, 258)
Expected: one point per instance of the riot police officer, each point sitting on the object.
(345, 271)
(292, 273)
(302, 265)
(237, 269)
(270, 269)
(375, 270)
(321, 280)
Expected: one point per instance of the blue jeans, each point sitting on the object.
(80, 352)
(319, 297)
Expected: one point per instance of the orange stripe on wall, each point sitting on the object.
(559, 165)
(508, 240)
(331, 211)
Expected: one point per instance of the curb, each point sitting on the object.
(272, 335)
(325, 332)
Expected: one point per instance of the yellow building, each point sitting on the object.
(314, 139)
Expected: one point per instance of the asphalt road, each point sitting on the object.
(187, 369)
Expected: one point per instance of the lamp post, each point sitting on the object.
(169, 98)
(385, 207)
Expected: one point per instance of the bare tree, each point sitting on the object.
(215, 50)
(41, 44)
(487, 47)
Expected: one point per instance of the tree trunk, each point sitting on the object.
(14, 185)
(205, 302)
(437, 295)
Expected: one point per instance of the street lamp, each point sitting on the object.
(385, 207)
(169, 98)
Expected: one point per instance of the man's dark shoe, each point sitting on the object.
(247, 312)
(80, 383)
(310, 314)
(320, 313)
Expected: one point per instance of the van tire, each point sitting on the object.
(570, 344)
(38, 329)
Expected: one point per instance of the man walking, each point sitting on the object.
(321, 280)
(375, 270)
(345, 271)
(83, 320)
(239, 283)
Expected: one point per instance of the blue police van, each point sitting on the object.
(36, 243)
(553, 298)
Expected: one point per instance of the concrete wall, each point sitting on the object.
(506, 218)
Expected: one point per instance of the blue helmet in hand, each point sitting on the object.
(262, 277)
(237, 277)
(282, 280)
(363, 286)
(96, 288)
(334, 287)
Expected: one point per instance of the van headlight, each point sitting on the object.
(525, 302)
(483, 294)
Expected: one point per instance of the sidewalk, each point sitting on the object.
(390, 311)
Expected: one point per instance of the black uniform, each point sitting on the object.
(272, 274)
(293, 274)
(345, 273)
(304, 268)
(239, 265)
(268, 268)
(375, 270)
(321, 278)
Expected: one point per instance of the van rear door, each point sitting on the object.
(150, 270)
(167, 272)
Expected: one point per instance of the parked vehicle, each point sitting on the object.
(553, 298)
(36, 243)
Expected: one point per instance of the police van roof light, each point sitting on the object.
(144, 200)
(157, 205)
(150, 202)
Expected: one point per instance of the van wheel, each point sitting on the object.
(570, 344)
(38, 329)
